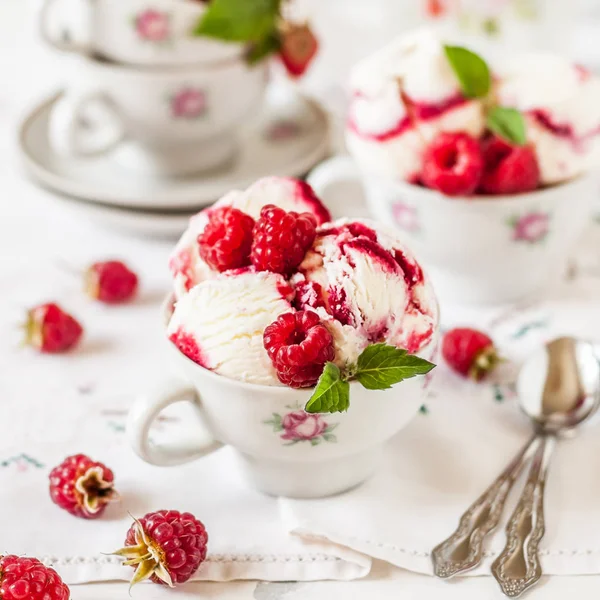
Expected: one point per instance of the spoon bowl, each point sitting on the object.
(558, 387)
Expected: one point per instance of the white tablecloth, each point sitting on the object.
(35, 235)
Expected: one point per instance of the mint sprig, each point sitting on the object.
(254, 22)
(332, 393)
(379, 367)
(508, 123)
(471, 71)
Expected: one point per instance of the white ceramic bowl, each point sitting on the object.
(282, 450)
(137, 32)
(477, 250)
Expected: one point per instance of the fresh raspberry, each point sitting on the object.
(435, 8)
(299, 46)
(281, 239)
(82, 486)
(453, 164)
(165, 546)
(469, 352)
(49, 329)
(24, 578)
(111, 282)
(508, 169)
(227, 238)
(298, 345)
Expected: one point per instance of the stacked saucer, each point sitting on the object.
(154, 123)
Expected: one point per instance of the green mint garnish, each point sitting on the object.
(262, 49)
(507, 123)
(332, 393)
(471, 70)
(379, 367)
(248, 21)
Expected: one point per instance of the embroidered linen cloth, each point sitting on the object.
(58, 405)
(54, 406)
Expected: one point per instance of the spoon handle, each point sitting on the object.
(518, 567)
(463, 550)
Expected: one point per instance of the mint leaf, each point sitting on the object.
(332, 393)
(240, 20)
(380, 366)
(471, 70)
(262, 48)
(507, 123)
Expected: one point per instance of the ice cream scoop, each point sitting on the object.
(367, 287)
(188, 268)
(561, 104)
(219, 324)
(402, 97)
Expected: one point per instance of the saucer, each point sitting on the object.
(288, 137)
(168, 225)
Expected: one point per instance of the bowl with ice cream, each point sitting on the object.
(304, 344)
(488, 173)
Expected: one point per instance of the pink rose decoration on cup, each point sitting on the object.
(299, 426)
(406, 217)
(153, 25)
(531, 228)
(188, 103)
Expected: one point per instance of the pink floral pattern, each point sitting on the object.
(188, 103)
(153, 25)
(299, 426)
(406, 217)
(282, 130)
(531, 228)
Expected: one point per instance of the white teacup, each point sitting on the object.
(483, 250)
(282, 450)
(167, 121)
(140, 32)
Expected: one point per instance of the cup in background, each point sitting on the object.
(136, 32)
(482, 249)
(163, 120)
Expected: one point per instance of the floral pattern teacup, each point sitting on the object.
(170, 114)
(283, 450)
(136, 32)
(481, 249)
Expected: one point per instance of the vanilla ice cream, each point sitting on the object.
(359, 278)
(561, 104)
(188, 268)
(219, 324)
(367, 288)
(402, 97)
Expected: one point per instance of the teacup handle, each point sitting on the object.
(331, 171)
(145, 411)
(74, 134)
(65, 44)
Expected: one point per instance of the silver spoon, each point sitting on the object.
(463, 550)
(558, 390)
